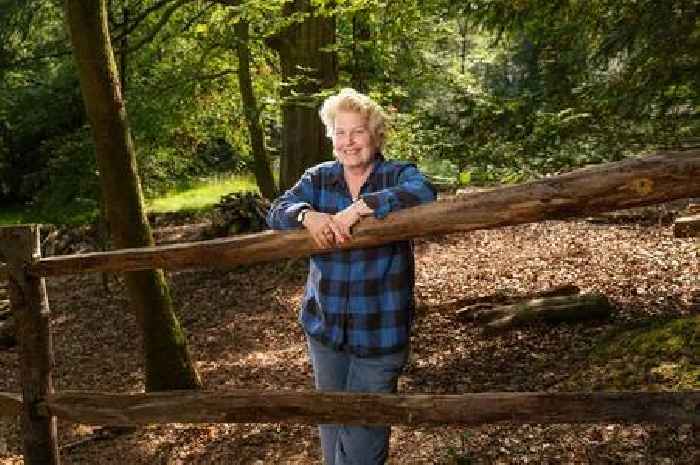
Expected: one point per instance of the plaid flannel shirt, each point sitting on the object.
(358, 300)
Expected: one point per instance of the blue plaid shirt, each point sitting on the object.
(359, 300)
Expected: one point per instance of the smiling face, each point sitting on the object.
(352, 141)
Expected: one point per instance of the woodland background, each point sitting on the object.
(477, 91)
(221, 97)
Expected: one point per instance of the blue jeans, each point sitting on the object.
(341, 371)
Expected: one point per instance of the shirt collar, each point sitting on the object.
(339, 179)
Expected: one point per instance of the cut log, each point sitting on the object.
(688, 226)
(553, 310)
(466, 305)
(613, 186)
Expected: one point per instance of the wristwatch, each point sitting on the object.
(302, 214)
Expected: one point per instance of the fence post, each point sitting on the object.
(30, 308)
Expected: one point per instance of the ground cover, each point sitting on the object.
(243, 334)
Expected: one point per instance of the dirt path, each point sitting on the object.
(243, 333)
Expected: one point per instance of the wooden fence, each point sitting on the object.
(614, 186)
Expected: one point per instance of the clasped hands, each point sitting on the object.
(329, 230)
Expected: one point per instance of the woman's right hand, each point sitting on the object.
(323, 229)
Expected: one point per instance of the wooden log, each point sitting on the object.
(631, 183)
(10, 404)
(688, 226)
(30, 309)
(554, 310)
(464, 306)
(248, 406)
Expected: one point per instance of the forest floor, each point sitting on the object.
(243, 334)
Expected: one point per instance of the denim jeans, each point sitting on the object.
(342, 371)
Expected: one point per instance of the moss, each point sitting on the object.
(657, 356)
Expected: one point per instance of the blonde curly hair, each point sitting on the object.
(350, 100)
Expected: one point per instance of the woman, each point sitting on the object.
(357, 306)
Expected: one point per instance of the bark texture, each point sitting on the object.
(308, 68)
(30, 308)
(248, 406)
(167, 360)
(261, 162)
(614, 186)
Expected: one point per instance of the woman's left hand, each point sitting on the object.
(347, 218)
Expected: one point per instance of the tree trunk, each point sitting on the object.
(307, 70)
(261, 163)
(362, 65)
(167, 361)
(560, 309)
(613, 186)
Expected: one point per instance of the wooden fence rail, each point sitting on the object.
(612, 186)
(309, 407)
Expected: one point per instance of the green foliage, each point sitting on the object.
(500, 90)
(36, 110)
(68, 189)
(609, 59)
(15, 214)
(181, 94)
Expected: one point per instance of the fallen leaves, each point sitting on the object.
(243, 333)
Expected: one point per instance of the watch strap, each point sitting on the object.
(302, 213)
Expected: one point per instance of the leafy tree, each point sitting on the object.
(631, 65)
(167, 361)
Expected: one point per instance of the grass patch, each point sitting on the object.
(201, 195)
(658, 356)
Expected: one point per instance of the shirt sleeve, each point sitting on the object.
(284, 211)
(412, 189)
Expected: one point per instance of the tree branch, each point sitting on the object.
(157, 28)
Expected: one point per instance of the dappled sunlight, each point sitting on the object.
(245, 336)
